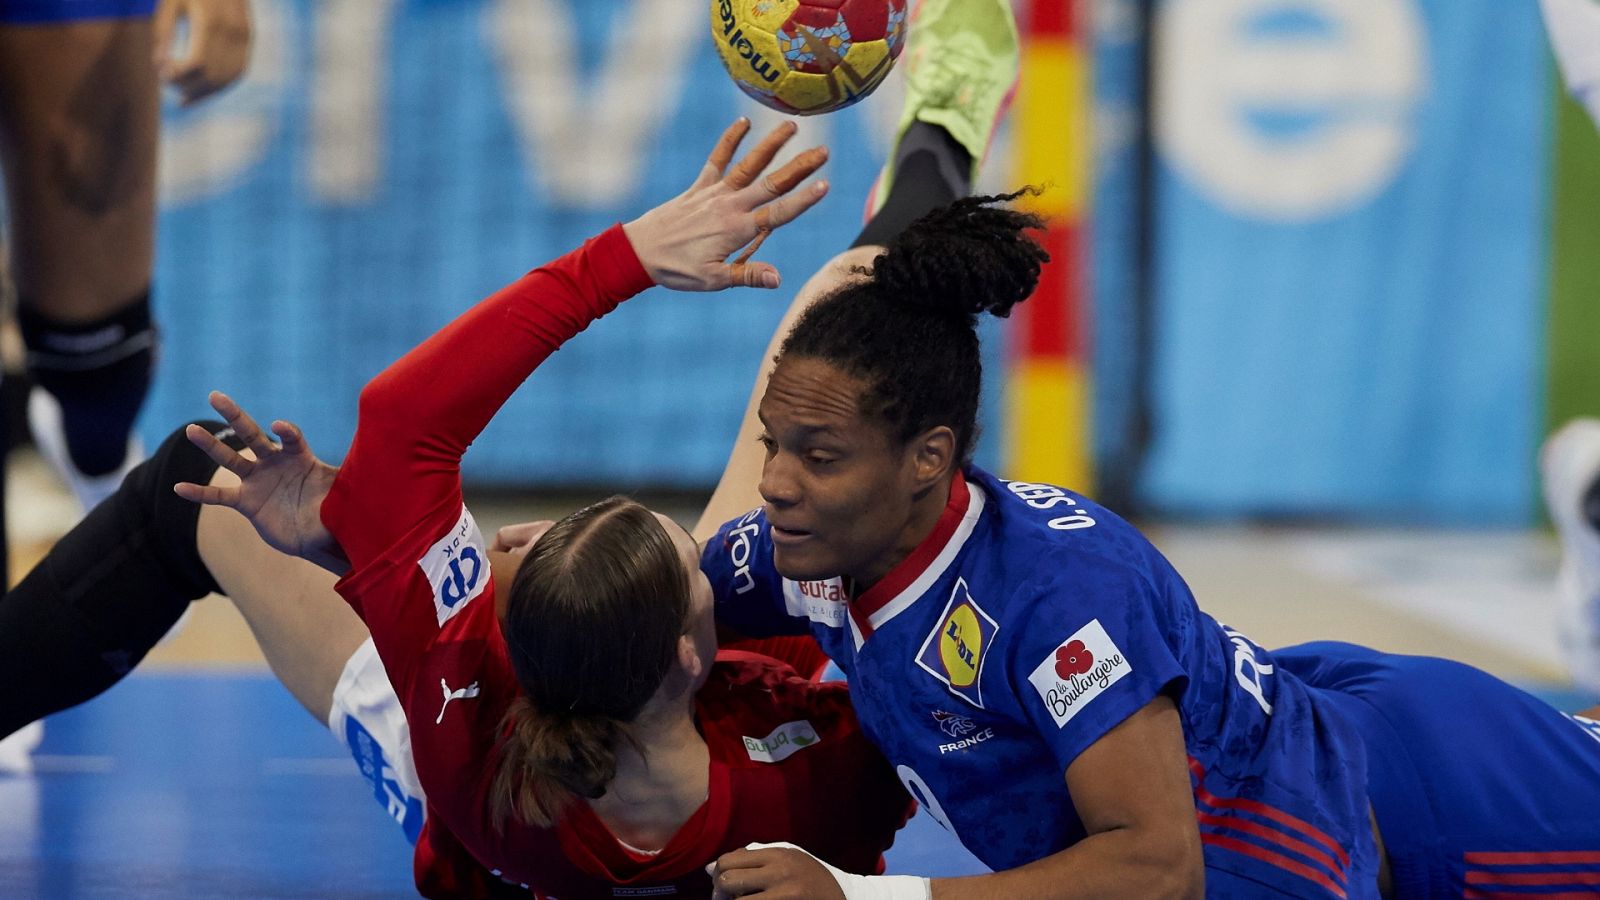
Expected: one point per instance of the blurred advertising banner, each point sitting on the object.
(1351, 246)
(385, 165)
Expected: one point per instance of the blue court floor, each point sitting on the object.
(178, 785)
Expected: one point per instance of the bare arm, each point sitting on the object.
(1131, 789)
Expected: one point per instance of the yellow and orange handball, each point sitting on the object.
(805, 57)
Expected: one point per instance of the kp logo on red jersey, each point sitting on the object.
(456, 566)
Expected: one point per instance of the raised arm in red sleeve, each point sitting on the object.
(418, 417)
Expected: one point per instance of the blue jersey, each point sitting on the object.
(1026, 626)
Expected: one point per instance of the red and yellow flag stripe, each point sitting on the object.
(1047, 384)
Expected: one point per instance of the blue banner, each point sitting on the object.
(1351, 251)
(386, 164)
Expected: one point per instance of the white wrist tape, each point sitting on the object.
(868, 887)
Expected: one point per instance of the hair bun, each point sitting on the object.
(970, 257)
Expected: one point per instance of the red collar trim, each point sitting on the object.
(908, 569)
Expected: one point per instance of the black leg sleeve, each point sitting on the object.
(108, 590)
(931, 170)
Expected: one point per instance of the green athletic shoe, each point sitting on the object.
(961, 64)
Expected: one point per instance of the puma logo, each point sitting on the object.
(466, 693)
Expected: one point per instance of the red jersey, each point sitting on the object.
(420, 579)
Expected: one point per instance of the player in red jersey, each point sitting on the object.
(545, 756)
(146, 545)
(756, 738)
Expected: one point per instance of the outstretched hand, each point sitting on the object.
(685, 243)
(281, 489)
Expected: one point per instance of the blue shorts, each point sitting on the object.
(1480, 789)
(45, 12)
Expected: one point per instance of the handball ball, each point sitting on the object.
(804, 57)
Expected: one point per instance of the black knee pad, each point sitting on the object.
(99, 372)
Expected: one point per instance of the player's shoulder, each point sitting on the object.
(1051, 552)
(1043, 533)
(750, 700)
(740, 543)
(1048, 513)
(744, 527)
(754, 685)
(443, 555)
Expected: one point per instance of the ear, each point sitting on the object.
(688, 659)
(931, 455)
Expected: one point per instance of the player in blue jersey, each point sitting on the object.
(1042, 678)
(80, 111)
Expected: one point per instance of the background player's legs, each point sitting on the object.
(79, 120)
(1569, 466)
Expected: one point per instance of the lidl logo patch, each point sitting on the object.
(959, 646)
(954, 652)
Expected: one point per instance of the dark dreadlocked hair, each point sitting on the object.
(910, 331)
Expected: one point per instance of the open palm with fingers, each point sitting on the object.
(281, 488)
(685, 243)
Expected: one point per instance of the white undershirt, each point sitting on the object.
(632, 849)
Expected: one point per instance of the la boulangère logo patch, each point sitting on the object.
(1078, 670)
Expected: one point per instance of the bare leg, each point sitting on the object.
(79, 122)
(79, 133)
(1592, 712)
(305, 629)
